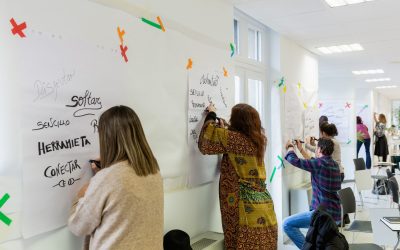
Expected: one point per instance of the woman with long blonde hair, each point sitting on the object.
(381, 144)
(122, 206)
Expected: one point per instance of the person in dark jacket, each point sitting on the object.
(324, 233)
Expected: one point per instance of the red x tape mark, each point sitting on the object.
(123, 52)
(348, 105)
(17, 28)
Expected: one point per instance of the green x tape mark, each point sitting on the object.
(281, 160)
(3, 217)
(155, 25)
(272, 175)
(281, 82)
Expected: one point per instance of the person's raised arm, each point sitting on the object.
(292, 158)
(213, 137)
(303, 152)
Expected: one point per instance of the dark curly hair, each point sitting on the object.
(326, 146)
(329, 129)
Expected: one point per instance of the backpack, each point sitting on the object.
(381, 187)
(323, 233)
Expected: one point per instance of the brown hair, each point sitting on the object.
(122, 138)
(246, 120)
(382, 118)
(329, 129)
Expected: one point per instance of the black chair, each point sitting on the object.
(366, 246)
(348, 204)
(394, 190)
(359, 164)
(396, 160)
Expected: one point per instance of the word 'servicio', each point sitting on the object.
(45, 148)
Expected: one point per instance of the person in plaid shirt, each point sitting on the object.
(325, 181)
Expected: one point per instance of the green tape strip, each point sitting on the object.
(4, 199)
(280, 158)
(282, 81)
(272, 175)
(5, 219)
(232, 49)
(151, 23)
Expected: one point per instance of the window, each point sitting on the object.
(236, 35)
(255, 95)
(254, 41)
(238, 90)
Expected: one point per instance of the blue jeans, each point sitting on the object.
(292, 225)
(367, 143)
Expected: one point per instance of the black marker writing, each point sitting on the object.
(196, 92)
(223, 97)
(52, 123)
(70, 182)
(193, 118)
(44, 89)
(213, 81)
(65, 144)
(209, 98)
(198, 105)
(61, 169)
(93, 123)
(85, 103)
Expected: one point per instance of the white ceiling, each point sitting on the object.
(312, 23)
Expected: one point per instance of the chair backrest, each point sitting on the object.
(359, 164)
(382, 235)
(363, 180)
(347, 200)
(394, 189)
(389, 173)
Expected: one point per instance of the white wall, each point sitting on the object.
(297, 65)
(193, 210)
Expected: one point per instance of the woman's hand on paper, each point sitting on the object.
(211, 108)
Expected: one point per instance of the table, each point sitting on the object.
(395, 228)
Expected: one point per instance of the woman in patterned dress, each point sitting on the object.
(248, 216)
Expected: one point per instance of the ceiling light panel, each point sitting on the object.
(378, 80)
(368, 72)
(338, 3)
(341, 48)
(386, 87)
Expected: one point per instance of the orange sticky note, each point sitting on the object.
(121, 34)
(161, 24)
(225, 72)
(189, 64)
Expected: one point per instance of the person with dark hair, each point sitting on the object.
(325, 181)
(247, 209)
(322, 119)
(363, 138)
(381, 144)
(327, 130)
(123, 205)
(177, 240)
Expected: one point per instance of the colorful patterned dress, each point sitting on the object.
(248, 216)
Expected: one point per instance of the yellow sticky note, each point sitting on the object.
(284, 89)
(305, 105)
(299, 85)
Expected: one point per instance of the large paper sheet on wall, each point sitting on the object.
(59, 126)
(205, 87)
(339, 112)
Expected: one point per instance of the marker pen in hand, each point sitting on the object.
(298, 141)
(97, 163)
